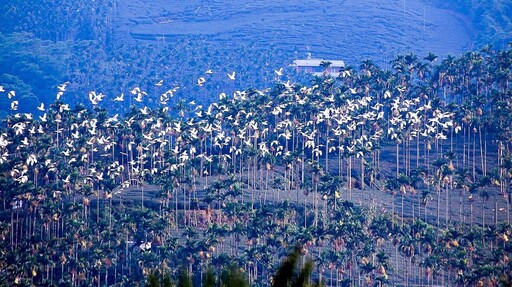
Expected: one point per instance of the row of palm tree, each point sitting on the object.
(94, 198)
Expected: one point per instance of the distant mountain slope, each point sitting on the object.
(352, 30)
(491, 19)
(112, 45)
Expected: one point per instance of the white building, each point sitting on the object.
(314, 67)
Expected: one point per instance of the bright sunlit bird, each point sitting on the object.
(14, 105)
(201, 81)
(119, 98)
(62, 87)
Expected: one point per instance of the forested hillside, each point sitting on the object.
(398, 176)
(122, 162)
(491, 19)
(89, 43)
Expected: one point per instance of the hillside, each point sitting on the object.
(383, 178)
(111, 46)
(154, 137)
(331, 29)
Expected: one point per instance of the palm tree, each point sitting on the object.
(287, 274)
(392, 185)
(506, 178)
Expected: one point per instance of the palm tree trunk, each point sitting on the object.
(327, 149)
(438, 203)
(397, 160)
(362, 173)
(464, 145)
(315, 203)
(417, 152)
(402, 219)
(349, 175)
(471, 213)
(483, 212)
(474, 157)
(446, 206)
(482, 159)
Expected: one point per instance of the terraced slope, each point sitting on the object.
(352, 30)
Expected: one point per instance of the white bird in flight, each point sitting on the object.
(14, 105)
(164, 98)
(120, 98)
(62, 87)
(201, 81)
(144, 110)
(145, 246)
(139, 96)
(160, 83)
(232, 76)
(135, 90)
(31, 160)
(41, 107)
(64, 107)
(95, 98)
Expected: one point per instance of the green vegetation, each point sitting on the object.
(32, 67)
(492, 19)
(70, 41)
(286, 275)
(50, 42)
(40, 65)
(59, 20)
(382, 177)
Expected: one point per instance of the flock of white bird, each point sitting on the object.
(140, 144)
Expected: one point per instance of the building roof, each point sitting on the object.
(316, 63)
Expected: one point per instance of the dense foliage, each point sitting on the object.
(490, 18)
(40, 64)
(92, 198)
(383, 177)
(59, 20)
(43, 43)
